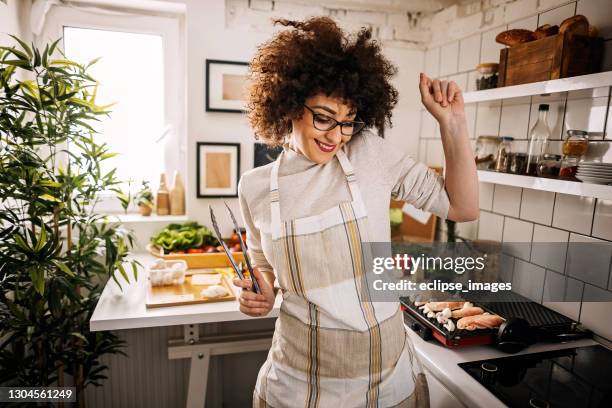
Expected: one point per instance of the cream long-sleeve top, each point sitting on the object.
(307, 188)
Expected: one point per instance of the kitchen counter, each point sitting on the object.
(441, 362)
(126, 309)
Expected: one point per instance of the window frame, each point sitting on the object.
(171, 30)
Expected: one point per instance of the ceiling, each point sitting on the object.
(399, 6)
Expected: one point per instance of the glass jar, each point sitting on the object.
(576, 143)
(549, 166)
(575, 146)
(569, 167)
(487, 76)
(518, 164)
(486, 149)
(502, 162)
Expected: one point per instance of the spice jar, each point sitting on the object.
(576, 143)
(569, 167)
(487, 76)
(486, 149)
(504, 149)
(575, 146)
(518, 164)
(549, 166)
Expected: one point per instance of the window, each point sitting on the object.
(141, 70)
(131, 75)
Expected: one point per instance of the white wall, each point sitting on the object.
(14, 19)
(512, 214)
(208, 37)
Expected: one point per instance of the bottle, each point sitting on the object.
(177, 196)
(504, 152)
(538, 140)
(162, 202)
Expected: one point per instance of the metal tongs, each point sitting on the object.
(237, 268)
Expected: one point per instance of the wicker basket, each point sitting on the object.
(209, 260)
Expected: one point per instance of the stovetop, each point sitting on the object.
(575, 377)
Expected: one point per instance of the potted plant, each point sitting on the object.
(144, 199)
(56, 251)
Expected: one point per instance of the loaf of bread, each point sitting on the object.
(515, 36)
(575, 25)
(545, 30)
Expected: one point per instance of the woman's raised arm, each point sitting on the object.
(444, 100)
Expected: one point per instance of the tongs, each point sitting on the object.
(237, 268)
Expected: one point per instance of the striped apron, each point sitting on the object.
(332, 347)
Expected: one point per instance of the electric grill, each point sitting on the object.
(526, 322)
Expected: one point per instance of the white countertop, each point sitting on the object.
(442, 363)
(126, 309)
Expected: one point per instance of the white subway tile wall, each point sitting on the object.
(562, 294)
(469, 53)
(515, 120)
(449, 58)
(528, 280)
(507, 200)
(509, 214)
(537, 206)
(517, 237)
(549, 247)
(490, 226)
(574, 213)
(602, 223)
(486, 196)
(588, 259)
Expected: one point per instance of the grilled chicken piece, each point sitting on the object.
(440, 306)
(467, 311)
(481, 321)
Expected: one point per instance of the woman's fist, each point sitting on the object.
(443, 99)
(255, 304)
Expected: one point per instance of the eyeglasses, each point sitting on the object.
(326, 123)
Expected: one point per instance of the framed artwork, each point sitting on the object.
(226, 86)
(264, 154)
(218, 167)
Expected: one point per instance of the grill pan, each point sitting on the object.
(544, 324)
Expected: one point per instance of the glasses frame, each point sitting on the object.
(335, 123)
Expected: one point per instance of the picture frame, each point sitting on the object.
(226, 86)
(263, 154)
(218, 169)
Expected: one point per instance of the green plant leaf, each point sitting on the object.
(135, 270)
(123, 272)
(21, 243)
(42, 240)
(49, 197)
(38, 279)
(25, 46)
(63, 267)
(79, 336)
(16, 52)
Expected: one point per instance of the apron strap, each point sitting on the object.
(275, 198)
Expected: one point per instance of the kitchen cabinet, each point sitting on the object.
(439, 395)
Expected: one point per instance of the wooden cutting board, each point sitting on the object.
(185, 294)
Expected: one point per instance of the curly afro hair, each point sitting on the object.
(312, 57)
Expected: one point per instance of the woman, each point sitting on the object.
(316, 91)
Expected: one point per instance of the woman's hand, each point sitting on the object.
(255, 304)
(443, 99)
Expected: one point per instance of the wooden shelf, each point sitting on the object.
(539, 88)
(546, 184)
